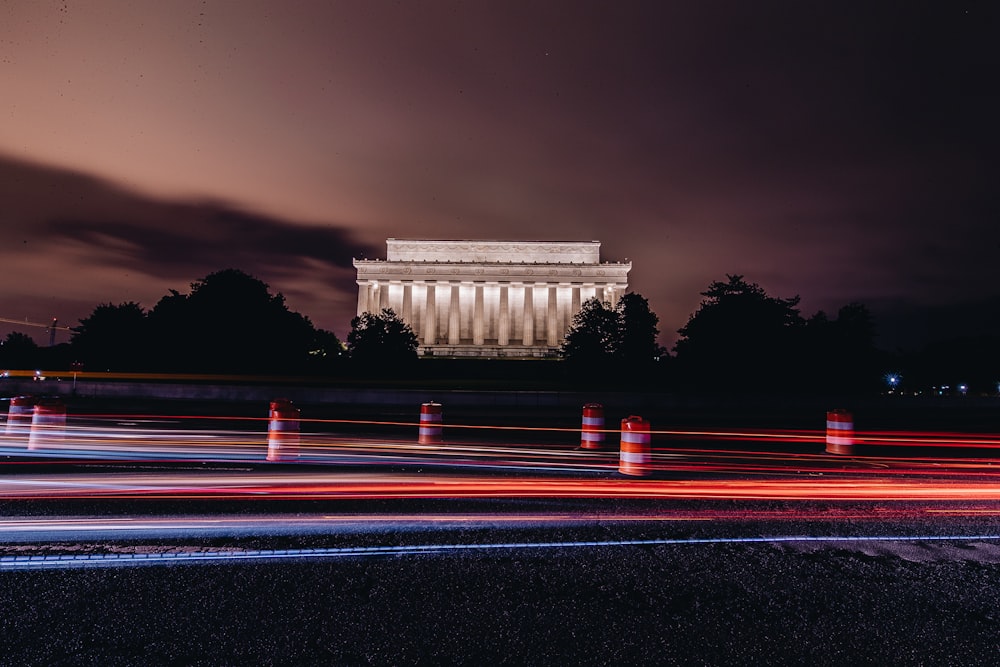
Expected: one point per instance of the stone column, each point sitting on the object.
(407, 314)
(454, 316)
(574, 305)
(503, 318)
(362, 298)
(477, 316)
(383, 296)
(528, 321)
(430, 316)
(551, 310)
(609, 294)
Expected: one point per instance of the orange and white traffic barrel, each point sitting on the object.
(48, 424)
(592, 430)
(283, 431)
(839, 432)
(635, 458)
(430, 424)
(19, 415)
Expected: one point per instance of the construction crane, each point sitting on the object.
(53, 327)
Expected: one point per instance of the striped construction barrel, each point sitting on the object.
(839, 432)
(19, 415)
(592, 430)
(430, 424)
(635, 458)
(283, 431)
(48, 424)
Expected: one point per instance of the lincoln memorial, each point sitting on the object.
(488, 298)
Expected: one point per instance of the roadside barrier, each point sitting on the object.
(48, 424)
(592, 431)
(283, 431)
(19, 415)
(430, 424)
(839, 432)
(635, 456)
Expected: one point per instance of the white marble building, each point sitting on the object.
(488, 298)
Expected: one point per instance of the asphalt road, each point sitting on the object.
(917, 587)
(899, 564)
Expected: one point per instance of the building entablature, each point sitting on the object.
(516, 252)
(492, 272)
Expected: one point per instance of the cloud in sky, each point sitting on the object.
(73, 241)
(837, 153)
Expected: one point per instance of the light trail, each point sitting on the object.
(144, 444)
(118, 438)
(90, 560)
(776, 436)
(346, 486)
(779, 436)
(66, 528)
(929, 440)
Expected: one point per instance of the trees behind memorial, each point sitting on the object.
(621, 339)
(637, 332)
(231, 323)
(18, 351)
(381, 341)
(740, 339)
(228, 323)
(593, 334)
(113, 337)
(743, 339)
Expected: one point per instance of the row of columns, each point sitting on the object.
(372, 297)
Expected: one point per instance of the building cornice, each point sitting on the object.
(463, 251)
(492, 271)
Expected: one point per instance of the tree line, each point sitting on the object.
(740, 339)
(229, 322)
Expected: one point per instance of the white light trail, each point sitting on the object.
(78, 561)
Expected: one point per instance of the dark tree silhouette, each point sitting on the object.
(231, 323)
(382, 340)
(326, 350)
(112, 338)
(18, 351)
(840, 354)
(740, 337)
(636, 341)
(855, 328)
(171, 332)
(605, 343)
(593, 334)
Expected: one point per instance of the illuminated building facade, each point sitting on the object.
(488, 298)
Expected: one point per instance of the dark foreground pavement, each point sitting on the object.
(874, 603)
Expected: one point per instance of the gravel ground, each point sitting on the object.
(876, 603)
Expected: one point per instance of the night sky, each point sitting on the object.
(838, 151)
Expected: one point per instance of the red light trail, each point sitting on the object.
(342, 486)
(545, 470)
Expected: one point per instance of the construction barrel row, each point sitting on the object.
(635, 456)
(43, 422)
